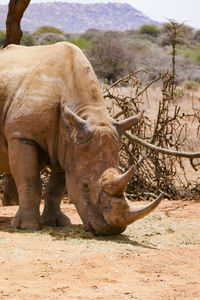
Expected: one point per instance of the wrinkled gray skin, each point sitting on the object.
(53, 114)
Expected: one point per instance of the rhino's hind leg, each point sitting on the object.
(52, 215)
(10, 195)
(24, 164)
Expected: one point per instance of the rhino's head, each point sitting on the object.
(93, 181)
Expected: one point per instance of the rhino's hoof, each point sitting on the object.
(59, 220)
(26, 221)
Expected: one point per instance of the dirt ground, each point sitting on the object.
(157, 257)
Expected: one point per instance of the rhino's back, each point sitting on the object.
(33, 79)
(37, 68)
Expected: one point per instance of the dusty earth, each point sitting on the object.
(157, 257)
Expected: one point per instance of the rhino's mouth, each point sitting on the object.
(103, 229)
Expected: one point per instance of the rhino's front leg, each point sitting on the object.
(24, 165)
(52, 215)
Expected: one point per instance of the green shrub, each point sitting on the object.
(80, 42)
(150, 29)
(46, 29)
(28, 40)
(2, 37)
(49, 38)
(191, 85)
(178, 93)
(143, 41)
(187, 53)
(197, 36)
(92, 34)
(193, 54)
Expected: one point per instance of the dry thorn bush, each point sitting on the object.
(154, 171)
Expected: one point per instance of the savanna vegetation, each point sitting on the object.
(166, 59)
(114, 54)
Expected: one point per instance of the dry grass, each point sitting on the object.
(155, 230)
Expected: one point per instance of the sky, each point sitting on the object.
(159, 10)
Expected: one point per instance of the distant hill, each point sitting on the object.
(75, 17)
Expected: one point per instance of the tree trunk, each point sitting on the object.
(14, 34)
(16, 10)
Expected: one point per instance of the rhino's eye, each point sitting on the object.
(85, 188)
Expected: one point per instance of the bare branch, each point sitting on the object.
(156, 149)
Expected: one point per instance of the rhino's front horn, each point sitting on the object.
(114, 183)
(133, 214)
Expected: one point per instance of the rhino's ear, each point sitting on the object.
(124, 125)
(83, 132)
(73, 118)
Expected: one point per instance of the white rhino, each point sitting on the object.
(53, 114)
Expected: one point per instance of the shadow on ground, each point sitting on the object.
(72, 232)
